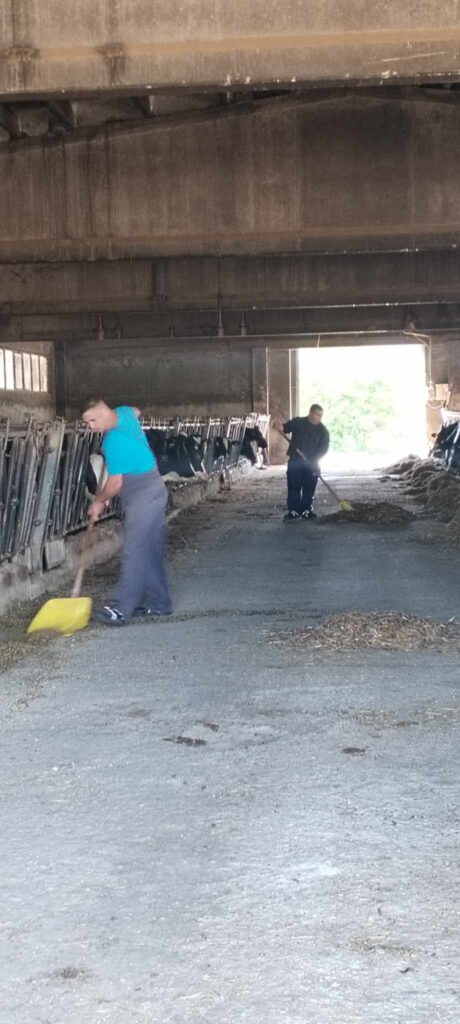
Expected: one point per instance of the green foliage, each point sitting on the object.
(361, 417)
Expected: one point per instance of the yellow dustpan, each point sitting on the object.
(66, 615)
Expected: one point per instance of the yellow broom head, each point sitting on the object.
(64, 615)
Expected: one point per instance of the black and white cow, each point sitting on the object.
(253, 441)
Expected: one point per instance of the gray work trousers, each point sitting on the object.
(142, 578)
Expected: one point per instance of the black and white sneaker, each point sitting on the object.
(110, 616)
(144, 612)
(291, 517)
(308, 514)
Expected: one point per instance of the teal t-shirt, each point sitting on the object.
(125, 446)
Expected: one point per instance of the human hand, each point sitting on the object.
(95, 510)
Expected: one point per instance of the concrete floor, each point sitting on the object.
(263, 875)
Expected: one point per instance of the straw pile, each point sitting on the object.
(429, 482)
(357, 631)
(443, 503)
(421, 476)
(438, 490)
(404, 465)
(377, 513)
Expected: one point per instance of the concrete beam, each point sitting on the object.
(356, 174)
(49, 49)
(64, 113)
(168, 286)
(333, 339)
(9, 120)
(262, 327)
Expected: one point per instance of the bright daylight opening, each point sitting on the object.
(374, 400)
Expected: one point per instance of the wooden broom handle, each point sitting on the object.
(81, 565)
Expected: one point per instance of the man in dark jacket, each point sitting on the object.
(309, 442)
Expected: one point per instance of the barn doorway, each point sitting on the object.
(374, 400)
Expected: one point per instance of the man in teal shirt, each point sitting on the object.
(142, 588)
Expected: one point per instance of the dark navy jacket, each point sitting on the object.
(312, 439)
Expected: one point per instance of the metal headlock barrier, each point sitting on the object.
(43, 478)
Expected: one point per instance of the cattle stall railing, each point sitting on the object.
(23, 472)
(211, 444)
(45, 471)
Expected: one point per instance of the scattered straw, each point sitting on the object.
(356, 631)
(380, 513)
(404, 465)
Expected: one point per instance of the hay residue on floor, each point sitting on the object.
(15, 643)
(357, 631)
(379, 513)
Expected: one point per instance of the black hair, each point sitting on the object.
(91, 404)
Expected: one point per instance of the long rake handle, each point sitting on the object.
(302, 456)
(81, 561)
(331, 490)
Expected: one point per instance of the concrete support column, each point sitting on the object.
(436, 370)
(294, 370)
(279, 397)
(454, 373)
(259, 380)
(60, 384)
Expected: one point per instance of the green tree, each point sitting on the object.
(360, 418)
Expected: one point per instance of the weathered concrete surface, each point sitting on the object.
(282, 328)
(267, 875)
(44, 117)
(171, 380)
(290, 176)
(280, 393)
(256, 282)
(102, 46)
(164, 381)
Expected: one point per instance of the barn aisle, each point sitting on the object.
(206, 819)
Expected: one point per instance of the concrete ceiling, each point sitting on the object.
(84, 89)
(48, 48)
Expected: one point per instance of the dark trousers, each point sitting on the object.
(301, 481)
(142, 577)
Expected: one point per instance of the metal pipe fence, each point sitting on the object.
(23, 456)
(44, 473)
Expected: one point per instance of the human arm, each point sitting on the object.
(324, 446)
(110, 489)
(278, 424)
